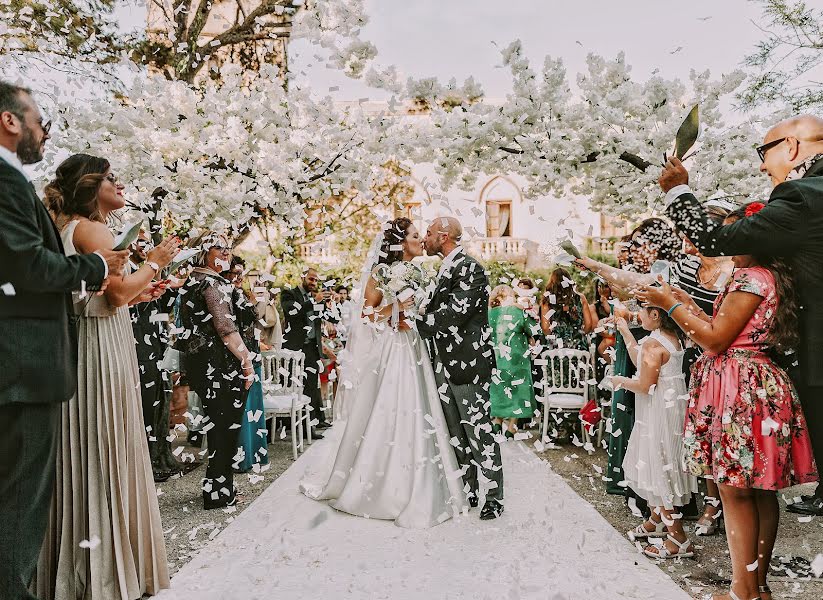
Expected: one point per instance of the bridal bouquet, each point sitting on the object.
(401, 280)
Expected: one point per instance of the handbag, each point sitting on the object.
(591, 414)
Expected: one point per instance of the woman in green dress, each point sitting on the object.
(512, 393)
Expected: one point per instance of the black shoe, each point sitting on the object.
(317, 436)
(808, 505)
(323, 425)
(689, 511)
(473, 501)
(491, 510)
(161, 476)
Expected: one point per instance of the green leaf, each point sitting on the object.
(687, 134)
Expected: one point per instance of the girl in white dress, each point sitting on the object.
(391, 458)
(653, 463)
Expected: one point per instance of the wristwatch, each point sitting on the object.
(154, 266)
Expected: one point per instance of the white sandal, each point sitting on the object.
(640, 532)
(664, 553)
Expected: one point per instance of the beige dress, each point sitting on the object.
(105, 498)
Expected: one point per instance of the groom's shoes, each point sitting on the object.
(809, 505)
(491, 510)
(473, 501)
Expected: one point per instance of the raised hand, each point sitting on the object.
(164, 252)
(658, 296)
(674, 174)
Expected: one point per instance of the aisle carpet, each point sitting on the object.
(550, 544)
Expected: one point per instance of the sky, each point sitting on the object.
(456, 38)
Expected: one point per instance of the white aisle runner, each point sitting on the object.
(549, 544)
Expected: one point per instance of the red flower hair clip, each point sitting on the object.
(754, 208)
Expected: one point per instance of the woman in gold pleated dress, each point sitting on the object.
(105, 539)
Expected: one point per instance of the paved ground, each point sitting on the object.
(710, 570)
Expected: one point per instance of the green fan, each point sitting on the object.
(570, 248)
(687, 134)
(128, 236)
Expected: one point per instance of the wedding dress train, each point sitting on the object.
(391, 458)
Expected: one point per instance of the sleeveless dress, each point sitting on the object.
(744, 425)
(653, 465)
(391, 458)
(104, 540)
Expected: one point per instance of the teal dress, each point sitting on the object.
(252, 438)
(512, 392)
(253, 433)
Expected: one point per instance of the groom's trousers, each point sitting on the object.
(466, 408)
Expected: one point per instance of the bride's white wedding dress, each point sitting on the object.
(391, 458)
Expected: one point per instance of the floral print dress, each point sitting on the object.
(744, 425)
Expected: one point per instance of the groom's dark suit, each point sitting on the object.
(38, 350)
(456, 326)
(791, 226)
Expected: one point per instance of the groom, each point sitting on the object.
(455, 324)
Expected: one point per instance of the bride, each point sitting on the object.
(393, 460)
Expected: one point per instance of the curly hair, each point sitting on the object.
(73, 191)
(784, 333)
(391, 250)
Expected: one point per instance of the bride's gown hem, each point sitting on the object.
(391, 458)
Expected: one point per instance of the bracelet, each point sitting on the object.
(672, 309)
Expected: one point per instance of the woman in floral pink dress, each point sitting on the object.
(744, 425)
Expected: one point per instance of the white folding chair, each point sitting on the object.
(566, 376)
(283, 375)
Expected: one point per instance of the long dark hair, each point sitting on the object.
(73, 191)
(784, 333)
(393, 236)
(566, 300)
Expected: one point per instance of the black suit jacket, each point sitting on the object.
(303, 324)
(790, 226)
(37, 341)
(456, 319)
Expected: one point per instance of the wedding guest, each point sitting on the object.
(36, 339)
(789, 226)
(511, 391)
(652, 464)
(105, 489)
(526, 292)
(303, 308)
(151, 343)
(744, 425)
(218, 364)
(565, 317)
(602, 308)
(253, 442)
(271, 330)
(653, 239)
(345, 306)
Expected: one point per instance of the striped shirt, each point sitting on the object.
(684, 276)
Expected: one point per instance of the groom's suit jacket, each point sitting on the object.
(456, 320)
(38, 343)
(790, 226)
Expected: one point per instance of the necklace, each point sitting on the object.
(706, 282)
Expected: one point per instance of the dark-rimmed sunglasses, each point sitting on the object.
(761, 150)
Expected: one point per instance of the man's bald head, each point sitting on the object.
(443, 235)
(794, 140)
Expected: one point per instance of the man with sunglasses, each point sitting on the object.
(791, 226)
(38, 345)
